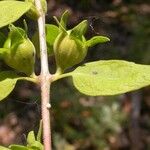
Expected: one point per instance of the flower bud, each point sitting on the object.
(21, 57)
(69, 51)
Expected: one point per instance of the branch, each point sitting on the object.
(44, 79)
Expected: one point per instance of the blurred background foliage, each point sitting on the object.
(80, 122)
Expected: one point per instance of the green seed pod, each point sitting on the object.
(70, 46)
(69, 51)
(21, 57)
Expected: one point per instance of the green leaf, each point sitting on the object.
(18, 147)
(52, 32)
(61, 28)
(110, 77)
(31, 137)
(17, 35)
(79, 30)
(96, 40)
(64, 19)
(8, 81)
(4, 148)
(36, 146)
(11, 11)
(32, 143)
(39, 134)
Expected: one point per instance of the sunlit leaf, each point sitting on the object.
(79, 30)
(36, 145)
(18, 147)
(96, 40)
(31, 137)
(8, 81)
(16, 34)
(32, 143)
(11, 11)
(110, 77)
(52, 32)
(4, 148)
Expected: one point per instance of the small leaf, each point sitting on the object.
(36, 146)
(52, 32)
(18, 147)
(61, 28)
(39, 134)
(64, 19)
(11, 11)
(17, 35)
(79, 30)
(8, 81)
(18, 31)
(31, 138)
(4, 148)
(96, 40)
(110, 77)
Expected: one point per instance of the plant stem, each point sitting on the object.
(44, 79)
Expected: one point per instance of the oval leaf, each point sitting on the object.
(8, 81)
(110, 77)
(11, 11)
(52, 32)
(96, 40)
